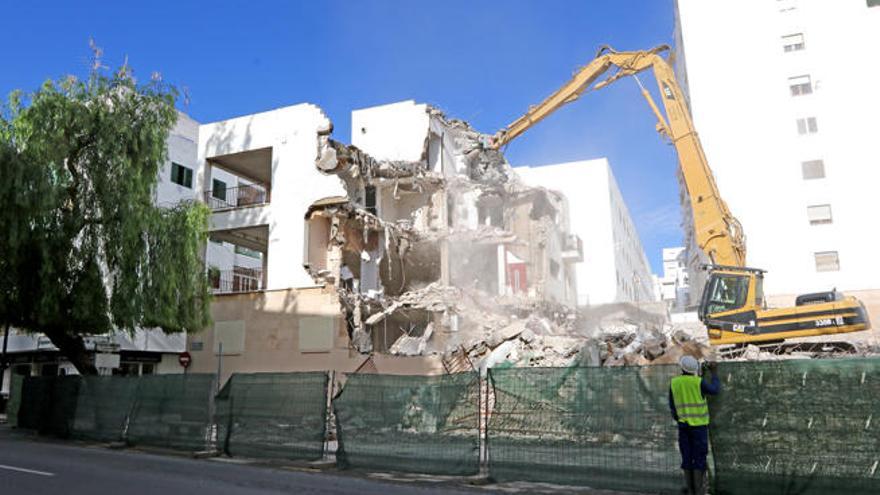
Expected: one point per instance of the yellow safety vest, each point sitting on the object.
(690, 405)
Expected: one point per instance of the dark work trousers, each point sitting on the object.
(693, 443)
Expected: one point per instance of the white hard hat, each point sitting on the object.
(689, 364)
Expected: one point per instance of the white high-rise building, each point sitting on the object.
(615, 268)
(784, 96)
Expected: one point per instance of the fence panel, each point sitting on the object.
(806, 426)
(276, 415)
(605, 428)
(423, 424)
(48, 404)
(103, 407)
(172, 411)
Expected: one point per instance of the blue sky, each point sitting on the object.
(482, 61)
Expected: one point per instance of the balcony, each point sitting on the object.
(237, 280)
(236, 197)
(572, 249)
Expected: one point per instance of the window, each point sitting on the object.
(813, 169)
(827, 261)
(181, 175)
(819, 214)
(800, 85)
(218, 189)
(807, 125)
(370, 199)
(793, 42)
(726, 292)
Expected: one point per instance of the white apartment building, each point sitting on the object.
(784, 96)
(615, 268)
(673, 285)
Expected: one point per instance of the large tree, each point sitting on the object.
(83, 248)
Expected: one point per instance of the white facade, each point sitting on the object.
(615, 268)
(182, 145)
(673, 285)
(275, 149)
(775, 87)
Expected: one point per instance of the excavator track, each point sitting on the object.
(815, 349)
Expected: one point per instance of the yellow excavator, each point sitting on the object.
(732, 305)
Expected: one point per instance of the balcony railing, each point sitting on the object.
(239, 279)
(234, 197)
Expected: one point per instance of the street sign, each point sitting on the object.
(184, 359)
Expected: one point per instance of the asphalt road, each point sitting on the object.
(36, 467)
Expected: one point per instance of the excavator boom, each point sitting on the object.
(717, 231)
(732, 305)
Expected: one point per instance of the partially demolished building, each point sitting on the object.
(437, 246)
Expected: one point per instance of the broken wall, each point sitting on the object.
(447, 211)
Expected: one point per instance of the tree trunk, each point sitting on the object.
(74, 349)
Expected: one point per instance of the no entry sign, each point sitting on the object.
(184, 359)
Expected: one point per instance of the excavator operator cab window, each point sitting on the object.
(759, 291)
(725, 293)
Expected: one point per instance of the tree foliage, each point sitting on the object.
(84, 250)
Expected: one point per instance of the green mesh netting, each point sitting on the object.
(806, 426)
(424, 424)
(14, 404)
(172, 411)
(280, 415)
(103, 406)
(48, 404)
(600, 427)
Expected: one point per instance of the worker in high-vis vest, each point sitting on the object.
(687, 400)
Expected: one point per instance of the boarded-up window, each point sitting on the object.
(827, 261)
(231, 335)
(807, 125)
(793, 42)
(316, 333)
(819, 214)
(800, 85)
(813, 169)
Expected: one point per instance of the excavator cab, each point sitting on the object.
(732, 291)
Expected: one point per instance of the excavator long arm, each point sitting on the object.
(718, 233)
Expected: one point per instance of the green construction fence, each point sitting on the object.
(606, 428)
(172, 411)
(103, 407)
(805, 427)
(421, 424)
(275, 415)
(47, 404)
